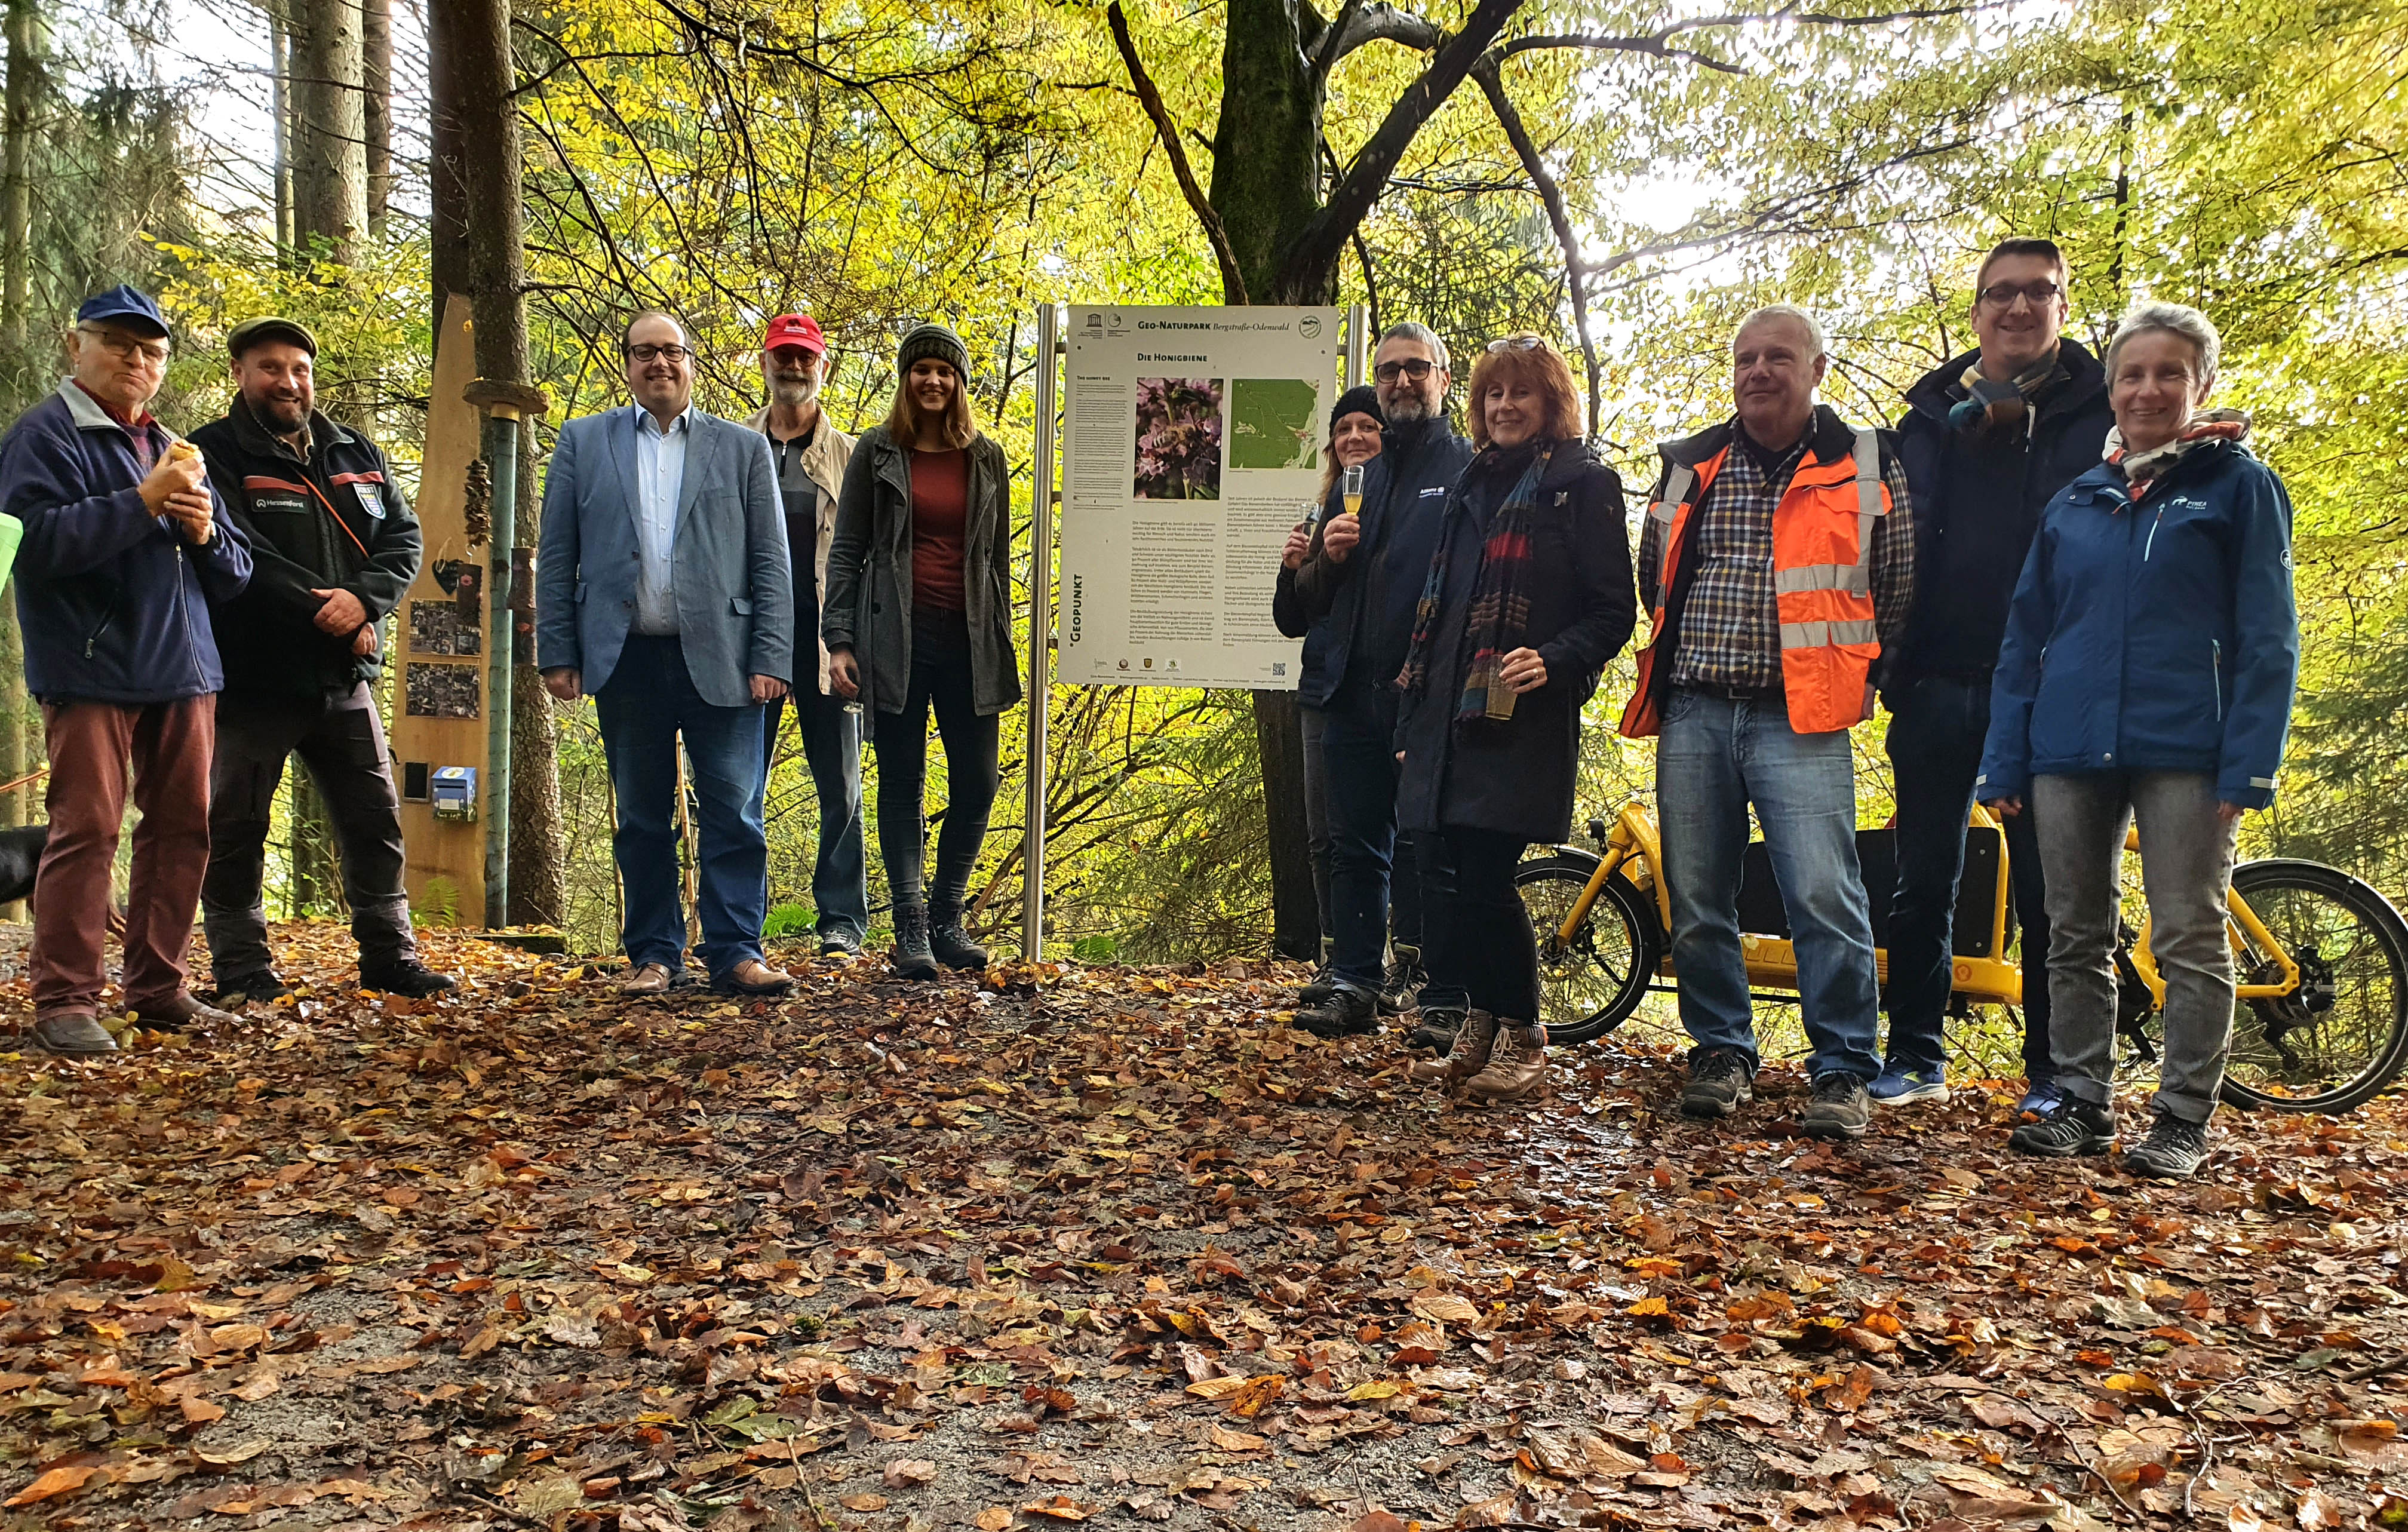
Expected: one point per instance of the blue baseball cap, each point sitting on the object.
(123, 304)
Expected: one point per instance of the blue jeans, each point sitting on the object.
(1936, 730)
(832, 747)
(1715, 757)
(649, 701)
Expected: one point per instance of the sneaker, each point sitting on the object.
(1518, 1066)
(252, 988)
(1473, 1048)
(408, 977)
(953, 947)
(2041, 1098)
(2174, 1150)
(1841, 1109)
(1347, 1013)
(2076, 1128)
(839, 943)
(1896, 1087)
(1721, 1081)
(913, 959)
(73, 1034)
(1401, 985)
(1437, 1029)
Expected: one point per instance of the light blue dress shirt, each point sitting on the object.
(660, 475)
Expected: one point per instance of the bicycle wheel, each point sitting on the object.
(1591, 984)
(2341, 1036)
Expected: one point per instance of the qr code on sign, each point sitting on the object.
(1279, 668)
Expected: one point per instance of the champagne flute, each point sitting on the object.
(1350, 487)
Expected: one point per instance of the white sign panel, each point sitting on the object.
(1191, 442)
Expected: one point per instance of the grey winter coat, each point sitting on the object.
(869, 574)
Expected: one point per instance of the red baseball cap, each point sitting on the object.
(794, 330)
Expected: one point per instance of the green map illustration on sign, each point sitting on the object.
(1274, 423)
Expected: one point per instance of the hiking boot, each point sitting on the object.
(953, 947)
(1347, 1013)
(1401, 984)
(73, 1034)
(2174, 1150)
(1473, 1048)
(252, 989)
(2074, 1128)
(1320, 987)
(408, 977)
(176, 1012)
(1436, 1029)
(1896, 1087)
(1518, 1066)
(913, 959)
(1840, 1108)
(1721, 1081)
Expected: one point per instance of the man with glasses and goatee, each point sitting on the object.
(1362, 578)
(1987, 438)
(663, 588)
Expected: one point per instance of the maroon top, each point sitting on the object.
(940, 510)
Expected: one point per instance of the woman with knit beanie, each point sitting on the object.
(919, 619)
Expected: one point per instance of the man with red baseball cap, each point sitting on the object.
(811, 454)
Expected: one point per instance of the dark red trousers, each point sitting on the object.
(92, 744)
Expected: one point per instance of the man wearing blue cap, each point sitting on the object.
(124, 547)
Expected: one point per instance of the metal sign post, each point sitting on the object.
(1041, 498)
(504, 405)
(1358, 347)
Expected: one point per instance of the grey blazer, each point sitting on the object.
(733, 582)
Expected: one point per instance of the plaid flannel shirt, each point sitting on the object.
(1730, 624)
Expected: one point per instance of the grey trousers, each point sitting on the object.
(340, 740)
(2185, 869)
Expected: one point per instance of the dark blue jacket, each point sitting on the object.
(2155, 637)
(114, 603)
(1978, 501)
(1404, 499)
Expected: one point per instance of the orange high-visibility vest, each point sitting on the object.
(1822, 579)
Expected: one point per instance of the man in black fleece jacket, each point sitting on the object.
(1362, 581)
(1988, 440)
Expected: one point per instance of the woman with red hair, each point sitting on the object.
(1528, 595)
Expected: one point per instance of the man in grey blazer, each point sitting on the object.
(663, 588)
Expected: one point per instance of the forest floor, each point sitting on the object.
(1116, 1245)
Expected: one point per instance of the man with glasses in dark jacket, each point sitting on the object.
(1362, 580)
(1987, 438)
(334, 545)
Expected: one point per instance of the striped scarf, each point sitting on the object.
(2144, 470)
(1500, 592)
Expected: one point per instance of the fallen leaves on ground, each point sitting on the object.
(1074, 1244)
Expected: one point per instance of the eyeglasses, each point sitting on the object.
(126, 347)
(1517, 343)
(661, 354)
(1415, 367)
(2003, 295)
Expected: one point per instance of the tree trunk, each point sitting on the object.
(376, 76)
(18, 749)
(280, 110)
(1267, 187)
(330, 172)
(476, 252)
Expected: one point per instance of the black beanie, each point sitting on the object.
(934, 340)
(1362, 399)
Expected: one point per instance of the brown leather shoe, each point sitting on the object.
(1517, 1069)
(73, 1034)
(176, 1012)
(753, 976)
(1466, 1058)
(649, 980)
